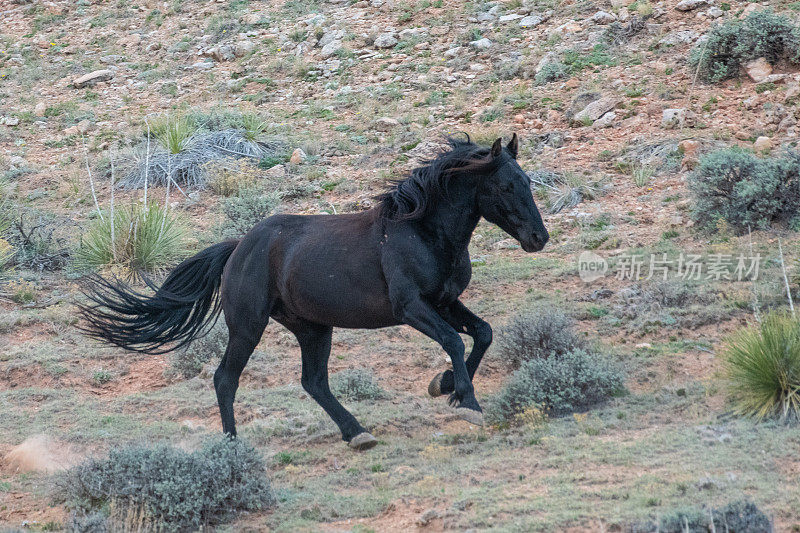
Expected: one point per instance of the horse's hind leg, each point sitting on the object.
(315, 346)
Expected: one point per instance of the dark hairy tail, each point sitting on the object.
(177, 313)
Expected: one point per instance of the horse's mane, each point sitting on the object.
(412, 198)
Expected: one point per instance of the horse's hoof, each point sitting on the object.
(362, 441)
(470, 415)
(435, 386)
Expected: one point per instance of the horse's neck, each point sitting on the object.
(452, 221)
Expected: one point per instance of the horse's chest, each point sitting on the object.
(452, 283)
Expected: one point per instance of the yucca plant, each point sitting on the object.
(254, 126)
(138, 237)
(172, 132)
(6, 253)
(762, 363)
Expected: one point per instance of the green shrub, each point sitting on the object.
(538, 334)
(355, 385)
(138, 237)
(736, 517)
(734, 42)
(762, 364)
(246, 209)
(559, 385)
(553, 71)
(188, 362)
(176, 490)
(744, 190)
(172, 132)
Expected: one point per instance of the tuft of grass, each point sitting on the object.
(175, 490)
(355, 385)
(563, 191)
(6, 254)
(642, 175)
(254, 126)
(245, 209)
(138, 237)
(762, 363)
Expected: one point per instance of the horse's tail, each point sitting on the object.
(176, 314)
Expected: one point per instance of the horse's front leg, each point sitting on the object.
(420, 315)
(464, 321)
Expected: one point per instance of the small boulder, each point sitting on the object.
(385, 40)
(758, 69)
(689, 5)
(298, 156)
(603, 17)
(331, 48)
(40, 109)
(385, 124)
(92, 78)
(595, 110)
(242, 48)
(531, 21)
(278, 171)
(677, 118)
(481, 44)
(762, 144)
(606, 121)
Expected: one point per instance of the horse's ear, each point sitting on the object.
(513, 146)
(497, 147)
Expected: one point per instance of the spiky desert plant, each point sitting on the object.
(172, 132)
(762, 363)
(254, 126)
(138, 237)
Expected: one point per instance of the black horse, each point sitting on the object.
(403, 262)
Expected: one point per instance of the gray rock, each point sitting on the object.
(595, 110)
(509, 18)
(385, 40)
(481, 44)
(603, 17)
(679, 37)
(385, 124)
(329, 37)
(688, 5)
(331, 48)
(242, 48)
(531, 21)
(677, 118)
(92, 78)
(606, 121)
(714, 13)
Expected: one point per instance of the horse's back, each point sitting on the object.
(321, 268)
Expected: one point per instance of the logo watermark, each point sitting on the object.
(686, 266)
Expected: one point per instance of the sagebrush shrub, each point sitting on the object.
(188, 362)
(138, 237)
(553, 71)
(743, 189)
(538, 334)
(762, 364)
(355, 385)
(182, 491)
(245, 209)
(573, 381)
(730, 44)
(736, 517)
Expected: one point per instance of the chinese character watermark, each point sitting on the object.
(687, 266)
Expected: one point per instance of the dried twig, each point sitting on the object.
(91, 181)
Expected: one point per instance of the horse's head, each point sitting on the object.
(505, 198)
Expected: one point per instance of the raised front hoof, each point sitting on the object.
(435, 386)
(470, 415)
(362, 441)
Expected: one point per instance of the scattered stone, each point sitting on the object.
(84, 126)
(427, 517)
(758, 69)
(9, 121)
(481, 44)
(111, 59)
(714, 13)
(40, 109)
(203, 65)
(242, 48)
(792, 92)
(690, 148)
(677, 118)
(92, 78)
(676, 38)
(606, 121)
(762, 144)
(688, 5)
(595, 110)
(278, 171)
(385, 124)
(453, 52)
(510, 17)
(531, 21)
(385, 40)
(223, 52)
(603, 17)
(330, 49)
(298, 156)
